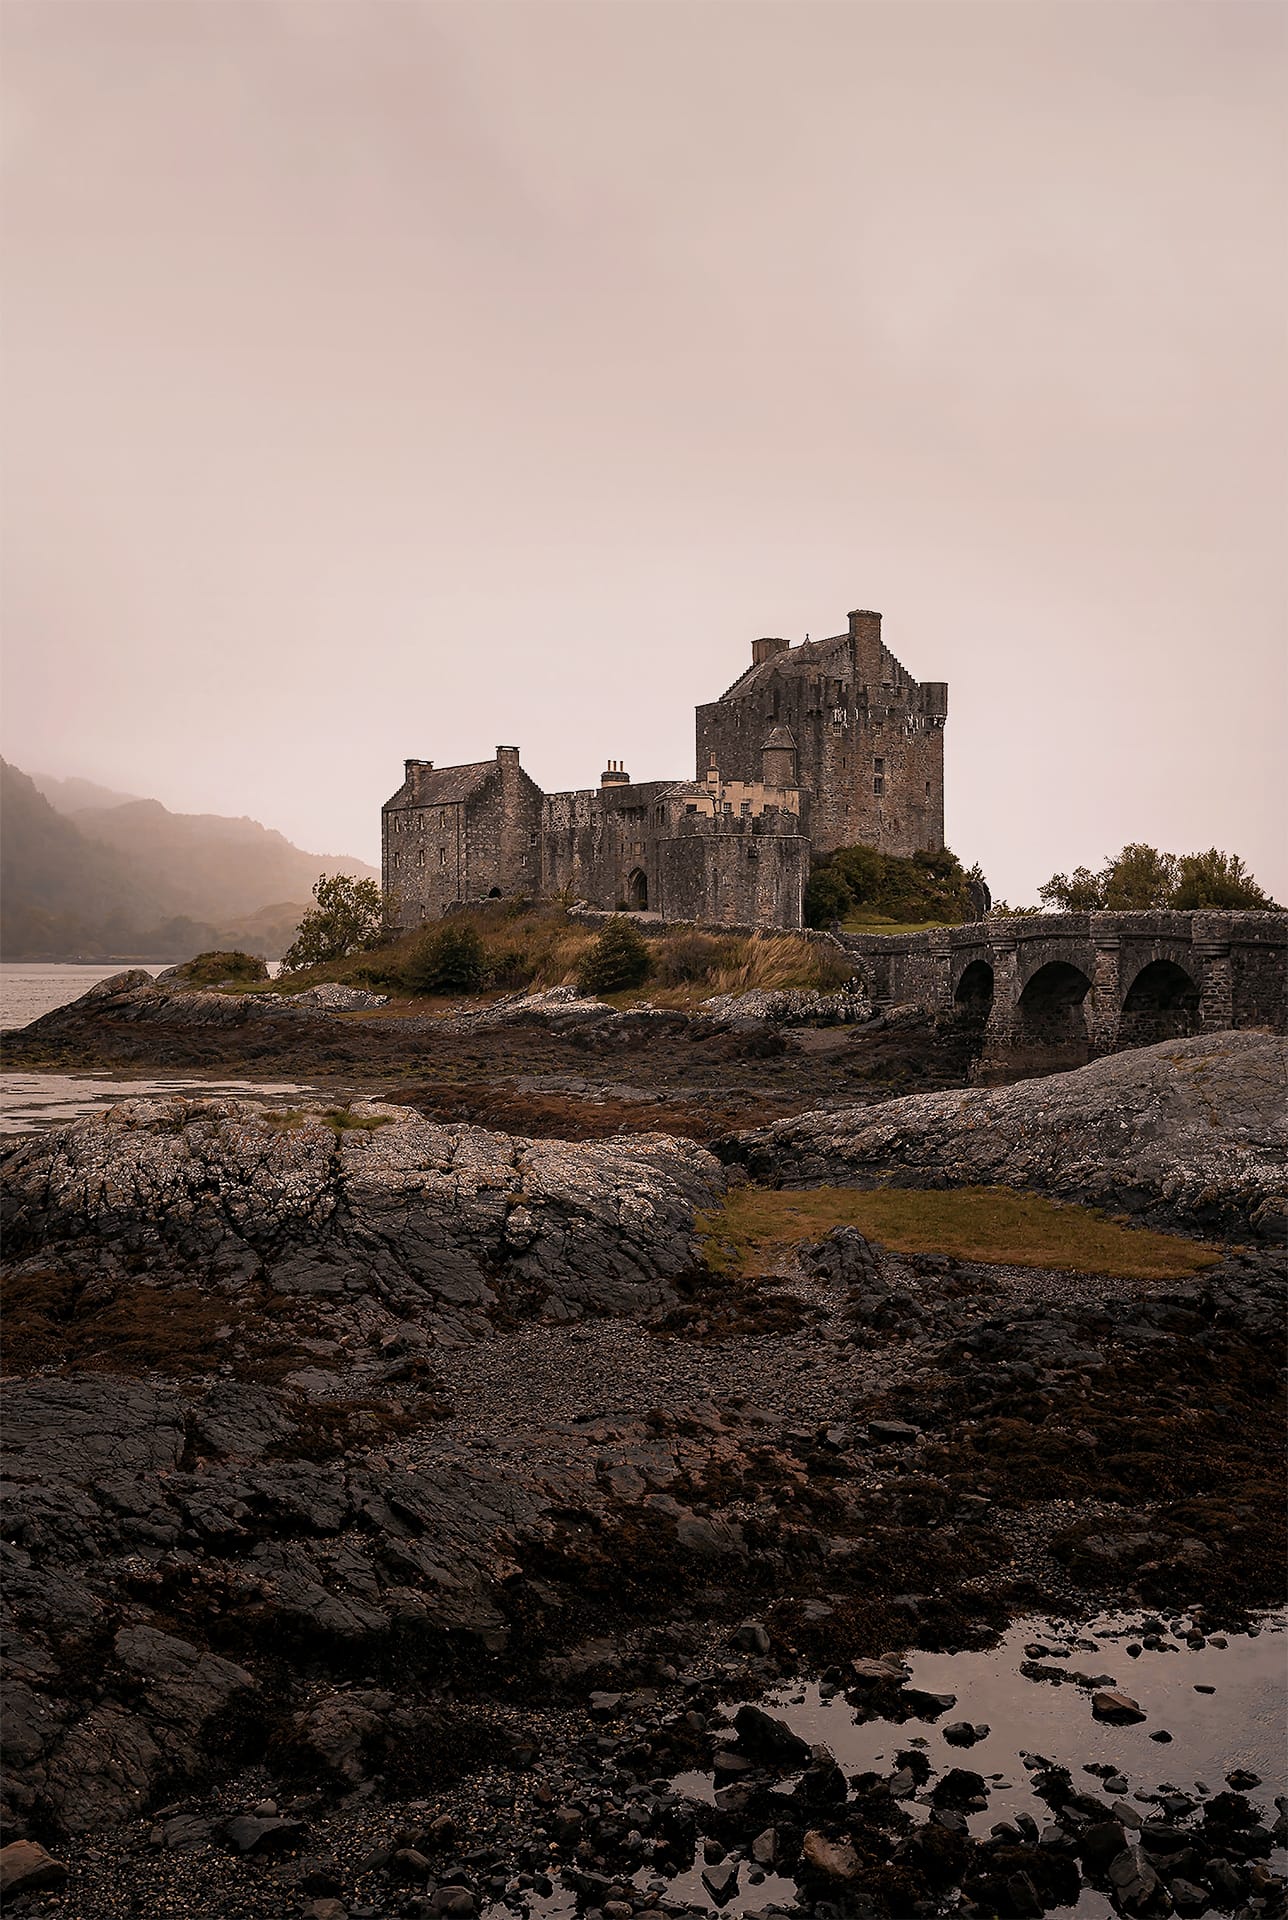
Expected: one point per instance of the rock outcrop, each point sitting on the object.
(442, 1224)
(1192, 1131)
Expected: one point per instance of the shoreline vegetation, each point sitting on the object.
(514, 947)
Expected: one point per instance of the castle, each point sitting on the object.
(822, 745)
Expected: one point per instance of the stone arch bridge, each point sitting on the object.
(1053, 990)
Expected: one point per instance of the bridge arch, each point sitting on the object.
(1160, 1003)
(1051, 1015)
(974, 991)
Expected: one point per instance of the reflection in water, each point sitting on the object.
(1235, 1722)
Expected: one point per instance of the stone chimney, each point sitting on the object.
(766, 649)
(865, 625)
(412, 770)
(614, 775)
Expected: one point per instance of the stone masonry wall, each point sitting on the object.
(869, 738)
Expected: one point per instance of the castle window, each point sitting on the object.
(420, 858)
(442, 816)
(878, 784)
(397, 859)
(745, 809)
(927, 789)
(533, 837)
(878, 766)
(838, 716)
(442, 856)
(691, 807)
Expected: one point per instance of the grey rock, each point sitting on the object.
(750, 1637)
(251, 1835)
(961, 1733)
(331, 997)
(768, 1739)
(1119, 1708)
(1136, 1886)
(425, 1217)
(793, 1006)
(1193, 1131)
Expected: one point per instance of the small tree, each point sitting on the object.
(1081, 891)
(345, 920)
(1215, 879)
(448, 960)
(1140, 878)
(618, 959)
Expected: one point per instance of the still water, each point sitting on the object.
(1222, 1706)
(29, 988)
(33, 1100)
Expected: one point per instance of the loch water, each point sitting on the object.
(29, 1101)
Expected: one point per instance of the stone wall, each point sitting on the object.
(652, 848)
(1051, 990)
(869, 738)
(459, 833)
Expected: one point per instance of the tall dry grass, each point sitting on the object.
(543, 946)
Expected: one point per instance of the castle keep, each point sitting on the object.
(827, 744)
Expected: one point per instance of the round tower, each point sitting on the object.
(778, 758)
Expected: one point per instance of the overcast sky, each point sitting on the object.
(388, 378)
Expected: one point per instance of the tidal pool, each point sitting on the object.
(1222, 1703)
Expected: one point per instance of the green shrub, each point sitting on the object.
(827, 898)
(511, 968)
(927, 886)
(450, 959)
(618, 959)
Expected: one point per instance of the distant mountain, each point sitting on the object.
(208, 863)
(69, 796)
(131, 879)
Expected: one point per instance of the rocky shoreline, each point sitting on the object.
(399, 1513)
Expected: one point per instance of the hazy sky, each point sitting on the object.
(387, 378)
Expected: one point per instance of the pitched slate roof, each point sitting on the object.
(443, 786)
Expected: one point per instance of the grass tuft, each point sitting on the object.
(996, 1226)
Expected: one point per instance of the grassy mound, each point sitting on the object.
(994, 1225)
(220, 968)
(529, 947)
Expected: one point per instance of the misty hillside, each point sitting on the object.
(209, 863)
(69, 796)
(137, 880)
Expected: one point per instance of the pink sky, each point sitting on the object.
(403, 378)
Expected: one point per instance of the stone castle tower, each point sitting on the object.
(841, 719)
(828, 744)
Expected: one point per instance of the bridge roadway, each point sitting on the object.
(1056, 989)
